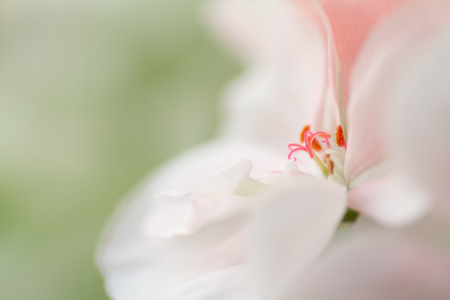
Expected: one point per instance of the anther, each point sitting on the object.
(340, 137)
(316, 145)
(302, 134)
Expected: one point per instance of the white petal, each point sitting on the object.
(421, 124)
(374, 268)
(140, 266)
(226, 284)
(185, 212)
(390, 200)
(293, 229)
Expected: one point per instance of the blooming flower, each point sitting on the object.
(334, 69)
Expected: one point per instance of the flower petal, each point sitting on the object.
(137, 265)
(226, 284)
(374, 268)
(351, 22)
(286, 85)
(390, 200)
(391, 50)
(185, 212)
(421, 125)
(293, 229)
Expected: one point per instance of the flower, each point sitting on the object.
(349, 90)
(335, 69)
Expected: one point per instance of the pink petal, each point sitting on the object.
(352, 21)
(286, 85)
(421, 122)
(293, 229)
(375, 268)
(390, 200)
(389, 53)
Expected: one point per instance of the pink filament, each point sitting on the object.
(309, 137)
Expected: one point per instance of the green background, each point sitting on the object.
(93, 95)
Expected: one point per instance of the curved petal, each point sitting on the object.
(374, 268)
(421, 125)
(137, 265)
(185, 212)
(286, 86)
(293, 229)
(351, 22)
(391, 50)
(226, 284)
(390, 200)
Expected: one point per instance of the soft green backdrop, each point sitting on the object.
(93, 95)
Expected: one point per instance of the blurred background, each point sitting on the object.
(93, 95)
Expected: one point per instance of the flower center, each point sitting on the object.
(313, 143)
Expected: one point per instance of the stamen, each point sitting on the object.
(296, 147)
(329, 162)
(310, 143)
(322, 134)
(340, 137)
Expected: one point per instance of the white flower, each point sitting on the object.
(338, 68)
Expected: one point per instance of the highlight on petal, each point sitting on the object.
(137, 265)
(387, 57)
(292, 229)
(352, 21)
(390, 200)
(185, 212)
(421, 124)
(374, 268)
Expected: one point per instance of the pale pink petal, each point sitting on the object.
(227, 284)
(390, 200)
(421, 124)
(374, 268)
(351, 22)
(286, 85)
(387, 57)
(185, 212)
(293, 229)
(137, 265)
(154, 268)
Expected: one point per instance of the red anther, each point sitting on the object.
(340, 137)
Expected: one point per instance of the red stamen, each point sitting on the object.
(299, 148)
(322, 134)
